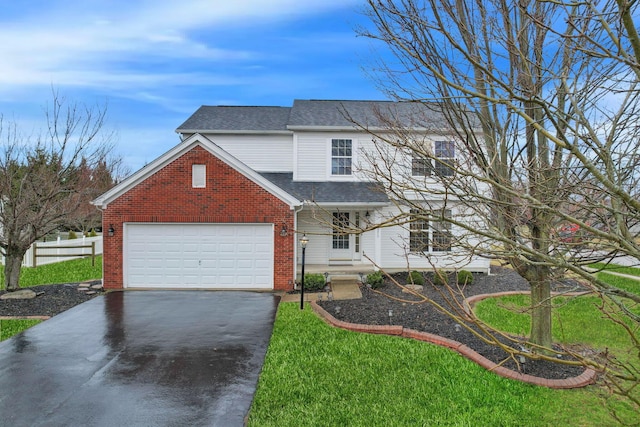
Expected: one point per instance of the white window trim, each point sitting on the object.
(354, 151)
(198, 176)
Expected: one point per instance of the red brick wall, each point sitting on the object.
(229, 197)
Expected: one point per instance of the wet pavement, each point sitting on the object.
(144, 358)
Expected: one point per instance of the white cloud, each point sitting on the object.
(80, 44)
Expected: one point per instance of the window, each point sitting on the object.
(418, 234)
(198, 176)
(356, 243)
(341, 153)
(420, 167)
(430, 236)
(442, 163)
(444, 158)
(441, 233)
(340, 236)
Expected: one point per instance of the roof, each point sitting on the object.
(377, 114)
(313, 114)
(328, 192)
(236, 118)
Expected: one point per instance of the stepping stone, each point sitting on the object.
(20, 294)
(98, 286)
(416, 288)
(91, 293)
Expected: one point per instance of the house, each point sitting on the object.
(226, 207)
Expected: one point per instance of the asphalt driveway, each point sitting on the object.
(147, 358)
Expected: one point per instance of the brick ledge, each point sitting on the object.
(588, 377)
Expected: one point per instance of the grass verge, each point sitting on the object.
(76, 270)
(632, 271)
(11, 327)
(318, 375)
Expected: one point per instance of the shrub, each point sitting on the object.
(313, 281)
(93, 233)
(440, 278)
(415, 278)
(72, 235)
(464, 277)
(375, 280)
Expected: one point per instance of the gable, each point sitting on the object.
(223, 161)
(171, 190)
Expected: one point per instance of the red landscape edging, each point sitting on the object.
(586, 378)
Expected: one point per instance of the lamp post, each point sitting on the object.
(303, 243)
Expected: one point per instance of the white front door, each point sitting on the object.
(344, 247)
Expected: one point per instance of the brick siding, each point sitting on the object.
(168, 196)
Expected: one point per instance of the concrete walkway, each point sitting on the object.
(342, 288)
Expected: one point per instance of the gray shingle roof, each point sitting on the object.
(312, 113)
(327, 113)
(328, 192)
(237, 118)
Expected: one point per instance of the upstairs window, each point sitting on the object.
(198, 176)
(442, 163)
(341, 156)
(445, 155)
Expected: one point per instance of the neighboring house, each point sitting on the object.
(226, 207)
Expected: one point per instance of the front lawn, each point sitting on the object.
(76, 270)
(318, 375)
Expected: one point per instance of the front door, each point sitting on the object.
(341, 246)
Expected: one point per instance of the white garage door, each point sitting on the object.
(216, 256)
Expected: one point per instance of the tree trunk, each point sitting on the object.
(13, 262)
(541, 313)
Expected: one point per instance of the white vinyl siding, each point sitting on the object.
(311, 158)
(262, 153)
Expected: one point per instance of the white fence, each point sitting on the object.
(61, 250)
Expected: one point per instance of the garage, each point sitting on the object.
(202, 255)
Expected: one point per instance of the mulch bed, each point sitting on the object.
(50, 300)
(373, 309)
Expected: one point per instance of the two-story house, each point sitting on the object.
(227, 206)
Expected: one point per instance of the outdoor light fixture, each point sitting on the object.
(111, 230)
(303, 243)
(367, 215)
(284, 232)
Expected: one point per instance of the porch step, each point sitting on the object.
(343, 277)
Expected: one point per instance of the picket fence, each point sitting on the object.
(61, 250)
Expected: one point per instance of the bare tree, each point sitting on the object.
(42, 185)
(540, 102)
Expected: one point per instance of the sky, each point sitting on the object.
(153, 63)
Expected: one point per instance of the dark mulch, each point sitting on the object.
(51, 300)
(373, 309)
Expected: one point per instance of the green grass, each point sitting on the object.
(11, 327)
(632, 271)
(318, 375)
(76, 270)
(630, 285)
(71, 271)
(576, 320)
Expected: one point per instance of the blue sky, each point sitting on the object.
(155, 62)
